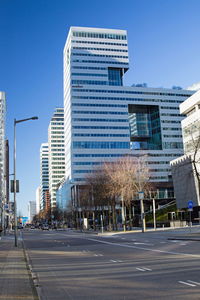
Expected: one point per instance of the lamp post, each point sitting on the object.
(14, 166)
(141, 198)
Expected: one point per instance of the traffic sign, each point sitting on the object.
(190, 204)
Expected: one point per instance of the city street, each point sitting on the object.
(152, 265)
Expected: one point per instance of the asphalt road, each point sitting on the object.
(72, 265)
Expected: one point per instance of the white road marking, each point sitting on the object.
(146, 249)
(143, 269)
(198, 283)
(116, 261)
(147, 269)
(186, 283)
(112, 260)
(138, 243)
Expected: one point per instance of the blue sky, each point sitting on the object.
(164, 49)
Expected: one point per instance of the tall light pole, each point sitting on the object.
(14, 166)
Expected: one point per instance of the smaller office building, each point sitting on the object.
(186, 169)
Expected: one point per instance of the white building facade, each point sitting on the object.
(37, 199)
(44, 173)
(104, 119)
(56, 153)
(31, 210)
(185, 177)
(2, 154)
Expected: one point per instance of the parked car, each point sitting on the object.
(45, 227)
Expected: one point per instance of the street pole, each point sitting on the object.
(123, 214)
(14, 166)
(101, 224)
(154, 214)
(15, 202)
(141, 198)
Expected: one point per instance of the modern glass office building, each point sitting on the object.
(56, 153)
(104, 119)
(44, 173)
(2, 152)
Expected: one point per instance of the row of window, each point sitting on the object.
(97, 155)
(99, 43)
(123, 99)
(101, 145)
(173, 145)
(57, 145)
(99, 35)
(98, 120)
(171, 115)
(57, 132)
(159, 170)
(99, 55)
(99, 112)
(89, 163)
(101, 127)
(93, 171)
(86, 163)
(89, 68)
(57, 141)
(170, 107)
(172, 136)
(57, 123)
(101, 135)
(100, 49)
(94, 82)
(171, 128)
(171, 121)
(100, 105)
(122, 91)
(90, 74)
(101, 62)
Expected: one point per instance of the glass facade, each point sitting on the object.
(115, 76)
(145, 128)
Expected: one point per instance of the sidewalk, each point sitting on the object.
(15, 280)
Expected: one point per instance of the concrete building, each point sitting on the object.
(104, 119)
(186, 169)
(31, 210)
(3, 186)
(38, 197)
(44, 173)
(56, 153)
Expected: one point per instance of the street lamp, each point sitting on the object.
(15, 205)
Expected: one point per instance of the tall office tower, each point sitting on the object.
(56, 153)
(31, 210)
(2, 153)
(104, 119)
(37, 199)
(44, 173)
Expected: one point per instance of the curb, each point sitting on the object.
(35, 286)
(184, 239)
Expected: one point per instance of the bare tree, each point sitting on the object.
(127, 176)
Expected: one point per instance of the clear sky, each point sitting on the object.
(164, 50)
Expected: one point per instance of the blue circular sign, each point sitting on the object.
(190, 204)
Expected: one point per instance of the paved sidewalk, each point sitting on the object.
(15, 280)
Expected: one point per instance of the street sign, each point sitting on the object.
(190, 205)
(141, 195)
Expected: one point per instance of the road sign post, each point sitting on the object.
(190, 209)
